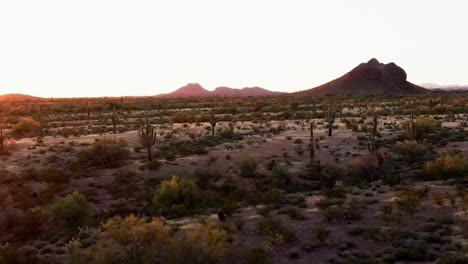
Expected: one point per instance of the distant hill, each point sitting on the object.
(368, 78)
(17, 97)
(246, 91)
(196, 90)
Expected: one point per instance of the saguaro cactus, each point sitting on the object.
(212, 122)
(371, 145)
(148, 138)
(340, 109)
(88, 110)
(411, 128)
(330, 119)
(41, 122)
(2, 141)
(312, 145)
(115, 119)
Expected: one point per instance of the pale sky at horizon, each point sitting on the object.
(62, 48)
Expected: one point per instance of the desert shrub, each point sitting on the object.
(412, 250)
(154, 165)
(248, 167)
(424, 126)
(325, 203)
(56, 176)
(138, 240)
(330, 174)
(392, 179)
(321, 233)
(411, 151)
(26, 127)
(268, 196)
(105, 152)
(182, 117)
(453, 258)
(364, 168)
(205, 178)
(351, 211)
(24, 225)
(12, 254)
(72, 210)
(281, 176)
(337, 191)
(255, 256)
(292, 212)
(132, 240)
(274, 232)
(206, 244)
(447, 167)
(408, 200)
(227, 132)
(369, 232)
(175, 197)
(125, 184)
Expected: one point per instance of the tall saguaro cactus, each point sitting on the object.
(312, 145)
(212, 121)
(148, 138)
(115, 119)
(2, 141)
(41, 122)
(88, 110)
(330, 119)
(340, 109)
(371, 146)
(411, 128)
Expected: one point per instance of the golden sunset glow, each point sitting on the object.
(57, 48)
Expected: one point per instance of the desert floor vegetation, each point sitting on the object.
(381, 179)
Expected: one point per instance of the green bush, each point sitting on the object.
(411, 151)
(175, 197)
(206, 244)
(105, 152)
(248, 167)
(408, 200)
(26, 127)
(73, 210)
(412, 250)
(138, 240)
(131, 240)
(154, 165)
(364, 168)
(447, 167)
(274, 232)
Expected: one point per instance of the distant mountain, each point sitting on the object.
(17, 97)
(189, 90)
(196, 90)
(246, 91)
(368, 78)
(450, 87)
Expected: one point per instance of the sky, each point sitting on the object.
(64, 48)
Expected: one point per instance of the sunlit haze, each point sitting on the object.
(111, 48)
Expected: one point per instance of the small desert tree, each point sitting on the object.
(73, 210)
(26, 127)
(105, 152)
(175, 197)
